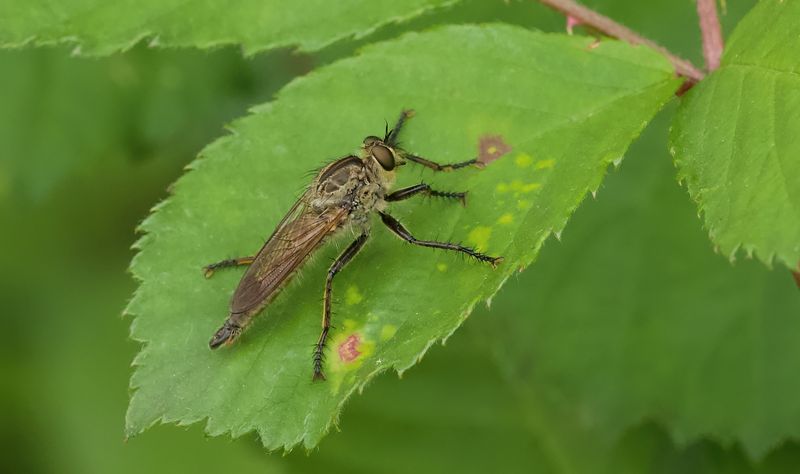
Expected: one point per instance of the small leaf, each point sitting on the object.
(735, 138)
(99, 27)
(567, 111)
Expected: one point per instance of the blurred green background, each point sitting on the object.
(89, 145)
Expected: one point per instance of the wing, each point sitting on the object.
(297, 236)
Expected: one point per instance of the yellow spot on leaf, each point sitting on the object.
(506, 218)
(352, 295)
(388, 331)
(519, 187)
(545, 164)
(523, 160)
(442, 267)
(523, 204)
(479, 237)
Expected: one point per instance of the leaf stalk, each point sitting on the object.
(607, 26)
(711, 33)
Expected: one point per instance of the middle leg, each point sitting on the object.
(395, 226)
(425, 189)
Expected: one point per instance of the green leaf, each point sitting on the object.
(633, 317)
(735, 138)
(99, 27)
(566, 109)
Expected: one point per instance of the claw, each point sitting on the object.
(464, 198)
(318, 376)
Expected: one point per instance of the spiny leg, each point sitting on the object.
(391, 137)
(209, 270)
(395, 226)
(337, 266)
(425, 189)
(437, 167)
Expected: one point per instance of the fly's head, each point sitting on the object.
(376, 151)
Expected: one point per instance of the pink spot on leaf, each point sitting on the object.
(491, 147)
(348, 350)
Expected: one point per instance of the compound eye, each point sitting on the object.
(371, 140)
(384, 156)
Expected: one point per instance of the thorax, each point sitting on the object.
(352, 184)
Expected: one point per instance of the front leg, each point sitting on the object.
(425, 189)
(437, 167)
(391, 137)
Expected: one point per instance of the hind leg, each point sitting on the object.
(337, 266)
(209, 270)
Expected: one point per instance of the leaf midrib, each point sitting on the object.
(761, 67)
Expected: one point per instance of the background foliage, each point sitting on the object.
(637, 348)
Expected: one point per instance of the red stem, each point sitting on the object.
(712, 33)
(607, 26)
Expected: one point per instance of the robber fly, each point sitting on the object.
(343, 195)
